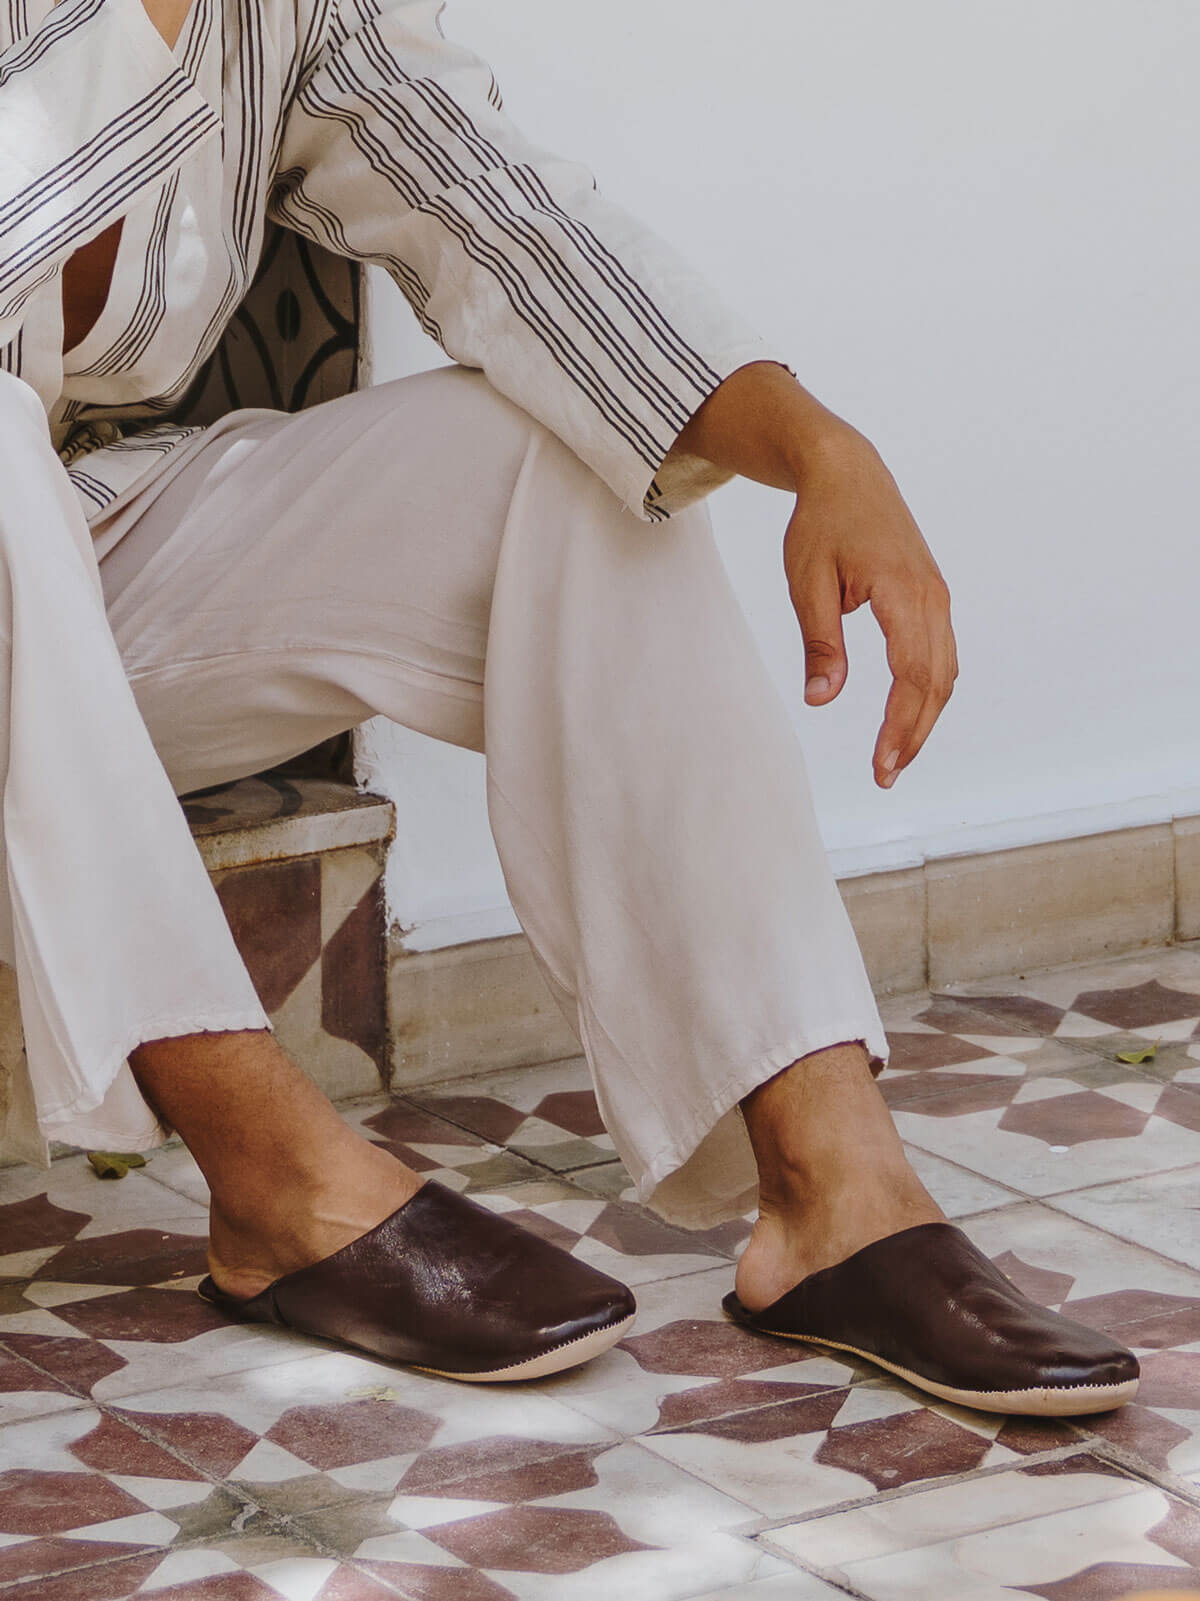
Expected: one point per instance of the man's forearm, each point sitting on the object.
(762, 423)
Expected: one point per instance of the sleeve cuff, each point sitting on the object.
(682, 478)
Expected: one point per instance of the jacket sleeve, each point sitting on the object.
(396, 151)
(94, 110)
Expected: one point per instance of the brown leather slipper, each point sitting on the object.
(448, 1286)
(928, 1306)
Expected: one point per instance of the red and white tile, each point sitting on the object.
(1075, 1529)
(149, 1447)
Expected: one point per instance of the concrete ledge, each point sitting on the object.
(471, 1008)
(1042, 905)
(1187, 877)
(273, 819)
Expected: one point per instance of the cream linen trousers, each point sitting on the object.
(427, 551)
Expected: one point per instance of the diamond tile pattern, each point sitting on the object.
(147, 1447)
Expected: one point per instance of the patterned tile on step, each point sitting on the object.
(956, 1189)
(793, 1428)
(546, 1113)
(105, 1324)
(1076, 1529)
(1125, 1004)
(1050, 1134)
(567, 1527)
(103, 1341)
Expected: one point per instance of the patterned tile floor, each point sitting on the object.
(148, 1448)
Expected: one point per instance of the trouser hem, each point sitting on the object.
(69, 1122)
(698, 1205)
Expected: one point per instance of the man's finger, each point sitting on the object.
(817, 597)
(924, 664)
(900, 716)
(901, 616)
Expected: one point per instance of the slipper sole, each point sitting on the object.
(570, 1354)
(1061, 1401)
(557, 1360)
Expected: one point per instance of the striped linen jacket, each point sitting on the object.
(279, 141)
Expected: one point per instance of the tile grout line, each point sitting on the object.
(902, 1492)
(1161, 1478)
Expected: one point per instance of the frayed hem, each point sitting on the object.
(709, 1211)
(58, 1122)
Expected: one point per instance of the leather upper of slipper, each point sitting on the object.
(443, 1283)
(928, 1300)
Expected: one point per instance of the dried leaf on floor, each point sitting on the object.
(1147, 1054)
(114, 1164)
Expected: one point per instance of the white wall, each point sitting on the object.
(972, 228)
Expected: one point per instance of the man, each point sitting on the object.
(188, 605)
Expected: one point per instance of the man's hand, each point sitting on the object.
(851, 540)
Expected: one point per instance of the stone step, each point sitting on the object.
(298, 865)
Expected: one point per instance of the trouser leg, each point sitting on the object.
(426, 551)
(107, 912)
(649, 800)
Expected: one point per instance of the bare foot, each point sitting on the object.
(833, 1173)
(290, 1182)
(310, 1221)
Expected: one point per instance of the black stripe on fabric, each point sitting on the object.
(458, 120)
(332, 235)
(571, 358)
(570, 291)
(608, 336)
(383, 97)
(11, 307)
(54, 30)
(320, 25)
(515, 287)
(161, 438)
(123, 186)
(96, 490)
(685, 360)
(253, 96)
(633, 368)
(72, 169)
(148, 313)
(534, 315)
(379, 157)
(199, 21)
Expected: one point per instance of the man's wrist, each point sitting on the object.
(762, 423)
